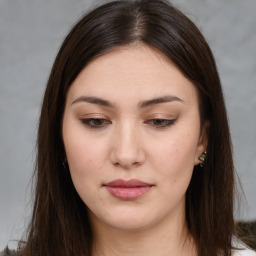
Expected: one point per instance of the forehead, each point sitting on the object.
(132, 72)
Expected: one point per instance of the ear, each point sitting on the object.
(202, 142)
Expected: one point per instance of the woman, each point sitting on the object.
(134, 152)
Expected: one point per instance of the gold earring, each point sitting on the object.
(202, 158)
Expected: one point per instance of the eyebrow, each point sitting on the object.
(94, 100)
(163, 99)
(143, 104)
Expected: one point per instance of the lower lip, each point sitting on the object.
(125, 193)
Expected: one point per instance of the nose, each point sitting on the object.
(127, 151)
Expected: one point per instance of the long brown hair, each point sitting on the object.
(59, 224)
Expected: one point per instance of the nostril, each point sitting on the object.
(127, 150)
(126, 159)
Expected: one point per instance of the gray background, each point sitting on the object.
(31, 32)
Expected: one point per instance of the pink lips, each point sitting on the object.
(127, 190)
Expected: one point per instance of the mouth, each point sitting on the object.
(128, 189)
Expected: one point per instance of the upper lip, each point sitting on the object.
(127, 183)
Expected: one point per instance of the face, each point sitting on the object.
(131, 130)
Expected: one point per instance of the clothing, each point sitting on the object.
(244, 250)
(8, 253)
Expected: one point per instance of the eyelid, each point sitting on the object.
(167, 122)
(155, 119)
(87, 122)
(161, 116)
(94, 116)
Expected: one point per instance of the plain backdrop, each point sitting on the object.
(31, 32)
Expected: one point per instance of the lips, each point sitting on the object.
(128, 189)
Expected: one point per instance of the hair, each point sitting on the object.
(59, 224)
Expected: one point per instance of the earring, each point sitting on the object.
(202, 158)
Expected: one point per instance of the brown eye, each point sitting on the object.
(95, 122)
(161, 123)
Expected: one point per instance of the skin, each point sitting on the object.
(130, 143)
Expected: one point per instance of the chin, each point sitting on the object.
(130, 221)
(132, 225)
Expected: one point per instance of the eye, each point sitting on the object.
(95, 122)
(161, 123)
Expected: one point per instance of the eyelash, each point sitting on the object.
(167, 122)
(90, 122)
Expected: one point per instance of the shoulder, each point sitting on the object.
(242, 249)
(244, 252)
(8, 252)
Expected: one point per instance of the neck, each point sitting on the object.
(162, 239)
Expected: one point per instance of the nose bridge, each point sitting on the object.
(127, 149)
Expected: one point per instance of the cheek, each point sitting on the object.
(83, 154)
(176, 152)
(84, 159)
(174, 162)
(174, 174)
